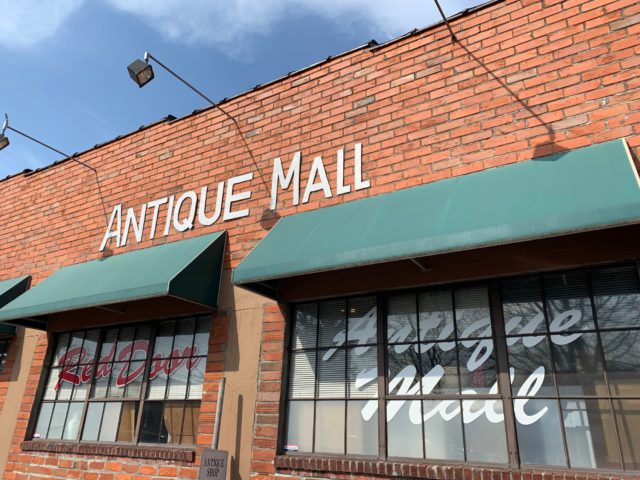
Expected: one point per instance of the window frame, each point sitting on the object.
(141, 400)
(505, 395)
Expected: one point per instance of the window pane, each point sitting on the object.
(110, 421)
(300, 427)
(436, 315)
(443, 430)
(126, 428)
(522, 306)
(484, 431)
(164, 340)
(43, 420)
(532, 368)
(73, 421)
(201, 340)
(628, 420)
(403, 370)
(125, 339)
(404, 429)
(177, 386)
(101, 380)
(622, 357)
(332, 374)
(330, 419)
(616, 293)
(185, 330)
(477, 365)
(89, 346)
(439, 369)
(362, 320)
(302, 375)
(591, 434)
(134, 378)
(141, 344)
(402, 323)
(92, 421)
(196, 378)
(362, 429)
(65, 382)
(472, 312)
(108, 349)
(152, 423)
(305, 327)
(333, 327)
(539, 434)
(80, 392)
(173, 415)
(4, 348)
(74, 353)
(157, 388)
(50, 390)
(61, 348)
(362, 372)
(116, 381)
(568, 302)
(190, 423)
(57, 420)
(578, 366)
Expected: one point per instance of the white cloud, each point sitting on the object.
(232, 25)
(27, 23)
(227, 25)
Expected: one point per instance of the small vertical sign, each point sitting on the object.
(213, 465)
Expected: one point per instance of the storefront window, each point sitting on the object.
(133, 384)
(555, 353)
(4, 349)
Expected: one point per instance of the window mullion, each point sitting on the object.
(145, 381)
(382, 373)
(504, 381)
(96, 359)
(457, 349)
(548, 336)
(316, 386)
(604, 366)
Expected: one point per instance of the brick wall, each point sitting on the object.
(525, 79)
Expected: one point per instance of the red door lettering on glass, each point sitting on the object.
(76, 375)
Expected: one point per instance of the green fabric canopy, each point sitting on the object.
(188, 269)
(10, 290)
(585, 189)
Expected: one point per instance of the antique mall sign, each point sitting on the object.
(191, 208)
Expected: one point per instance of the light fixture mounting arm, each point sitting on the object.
(446, 21)
(148, 56)
(6, 126)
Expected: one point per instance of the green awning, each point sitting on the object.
(9, 291)
(586, 189)
(188, 270)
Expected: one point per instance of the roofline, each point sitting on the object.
(372, 45)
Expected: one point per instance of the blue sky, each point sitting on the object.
(63, 63)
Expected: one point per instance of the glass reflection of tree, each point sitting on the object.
(447, 359)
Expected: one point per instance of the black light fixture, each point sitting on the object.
(4, 142)
(141, 71)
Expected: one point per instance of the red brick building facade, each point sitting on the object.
(524, 79)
